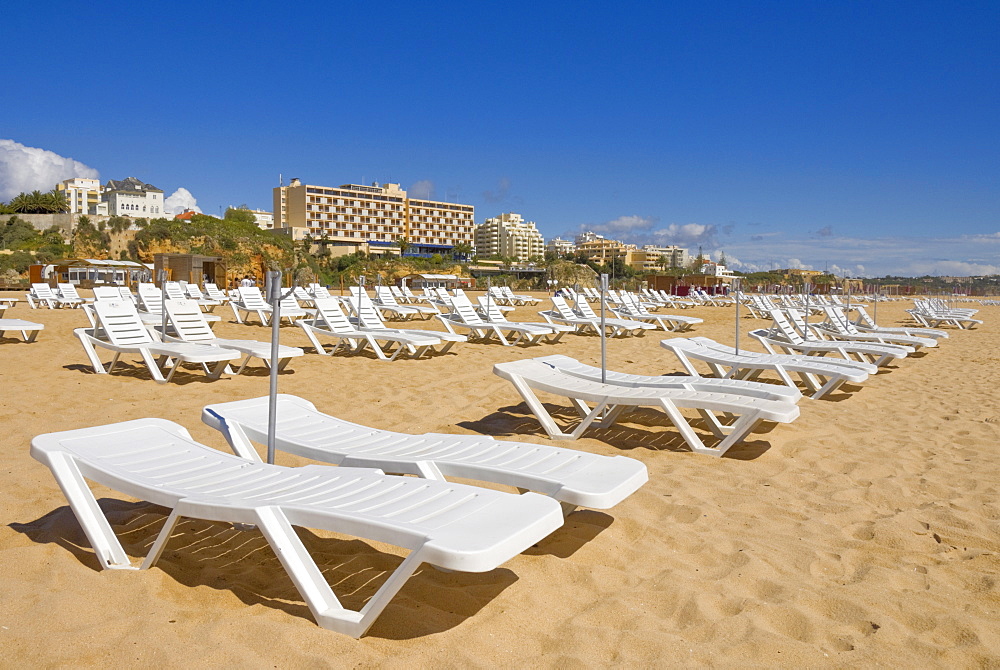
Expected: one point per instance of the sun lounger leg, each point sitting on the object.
(161, 540)
(107, 547)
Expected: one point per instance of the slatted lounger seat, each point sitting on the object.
(610, 400)
(119, 329)
(453, 526)
(572, 477)
(331, 322)
(24, 327)
(820, 376)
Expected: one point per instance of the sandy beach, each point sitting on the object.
(865, 533)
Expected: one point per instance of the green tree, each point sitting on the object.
(403, 244)
(241, 214)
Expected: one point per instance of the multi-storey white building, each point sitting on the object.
(509, 235)
(560, 247)
(371, 218)
(83, 195)
(265, 220)
(131, 197)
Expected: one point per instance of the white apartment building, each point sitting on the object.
(132, 197)
(560, 247)
(509, 235)
(83, 195)
(371, 218)
(265, 220)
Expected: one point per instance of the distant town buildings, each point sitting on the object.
(132, 197)
(511, 236)
(649, 258)
(83, 195)
(265, 220)
(560, 247)
(375, 218)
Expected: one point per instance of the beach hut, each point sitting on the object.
(191, 268)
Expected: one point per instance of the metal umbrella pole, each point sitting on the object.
(604, 339)
(163, 302)
(738, 285)
(275, 297)
(805, 287)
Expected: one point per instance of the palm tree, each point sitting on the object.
(403, 245)
(462, 249)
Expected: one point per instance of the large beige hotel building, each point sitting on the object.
(372, 218)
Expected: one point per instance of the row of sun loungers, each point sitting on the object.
(449, 525)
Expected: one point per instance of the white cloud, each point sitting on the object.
(180, 200)
(499, 195)
(949, 268)
(25, 169)
(688, 234)
(422, 189)
(624, 225)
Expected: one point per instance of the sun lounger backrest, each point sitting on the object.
(106, 293)
(585, 309)
(784, 327)
(69, 292)
(185, 316)
(461, 306)
(385, 296)
(368, 316)
(120, 323)
(328, 311)
(300, 294)
(43, 291)
(318, 291)
(563, 308)
(194, 292)
(174, 290)
(214, 293)
(492, 309)
(251, 298)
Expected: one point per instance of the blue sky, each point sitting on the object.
(856, 137)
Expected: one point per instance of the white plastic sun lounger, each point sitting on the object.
(839, 327)
(619, 327)
(633, 309)
(452, 526)
(331, 322)
(561, 314)
(69, 295)
(610, 400)
(865, 323)
(386, 301)
(25, 327)
(464, 315)
(368, 318)
(42, 294)
(574, 478)
(119, 329)
(252, 302)
(820, 376)
(493, 313)
(189, 325)
(750, 389)
(786, 339)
